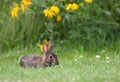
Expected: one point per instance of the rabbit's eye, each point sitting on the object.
(50, 57)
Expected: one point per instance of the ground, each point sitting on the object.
(73, 67)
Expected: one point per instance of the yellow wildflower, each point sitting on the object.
(72, 6)
(51, 11)
(23, 7)
(68, 6)
(59, 18)
(48, 13)
(55, 9)
(25, 4)
(88, 1)
(40, 46)
(15, 10)
(47, 41)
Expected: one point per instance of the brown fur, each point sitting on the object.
(33, 60)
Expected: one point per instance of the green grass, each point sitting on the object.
(72, 68)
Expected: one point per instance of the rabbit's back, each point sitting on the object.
(31, 61)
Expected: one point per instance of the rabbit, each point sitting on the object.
(33, 60)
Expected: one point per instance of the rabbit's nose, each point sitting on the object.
(50, 63)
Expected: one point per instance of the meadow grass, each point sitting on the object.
(74, 67)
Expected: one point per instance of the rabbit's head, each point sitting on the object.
(49, 58)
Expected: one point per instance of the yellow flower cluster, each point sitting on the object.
(88, 1)
(23, 6)
(72, 6)
(40, 46)
(55, 9)
(47, 41)
(48, 12)
(52, 11)
(15, 10)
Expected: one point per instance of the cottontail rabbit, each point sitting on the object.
(48, 58)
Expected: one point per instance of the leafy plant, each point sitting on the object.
(89, 23)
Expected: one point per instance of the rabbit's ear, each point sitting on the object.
(50, 46)
(48, 43)
(45, 48)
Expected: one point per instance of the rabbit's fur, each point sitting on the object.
(48, 58)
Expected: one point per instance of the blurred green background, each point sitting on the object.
(93, 26)
(86, 41)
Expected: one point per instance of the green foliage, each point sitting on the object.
(96, 24)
